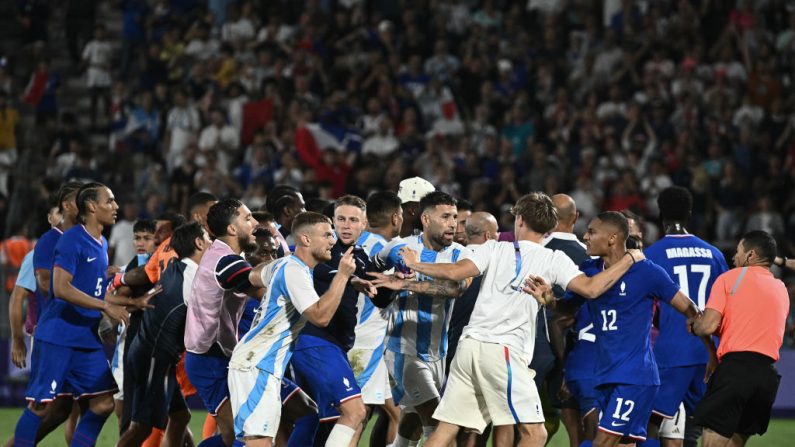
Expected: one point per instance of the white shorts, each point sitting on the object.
(117, 362)
(370, 370)
(256, 401)
(674, 428)
(415, 380)
(491, 378)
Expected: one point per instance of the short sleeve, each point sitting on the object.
(26, 278)
(481, 255)
(717, 296)
(563, 270)
(43, 253)
(389, 256)
(663, 287)
(299, 286)
(67, 255)
(231, 272)
(152, 267)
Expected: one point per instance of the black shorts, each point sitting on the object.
(740, 395)
(155, 392)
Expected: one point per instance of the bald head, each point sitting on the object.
(481, 227)
(567, 213)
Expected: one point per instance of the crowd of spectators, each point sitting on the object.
(608, 101)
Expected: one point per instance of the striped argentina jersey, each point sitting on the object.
(371, 321)
(418, 325)
(269, 344)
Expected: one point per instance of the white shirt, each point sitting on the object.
(184, 124)
(371, 322)
(269, 344)
(418, 325)
(97, 54)
(502, 314)
(121, 239)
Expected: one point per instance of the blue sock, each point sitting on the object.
(586, 443)
(27, 426)
(213, 441)
(649, 442)
(88, 429)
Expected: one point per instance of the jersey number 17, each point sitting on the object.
(682, 273)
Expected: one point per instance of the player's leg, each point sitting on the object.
(209, 375)
(256, 405)
(672, 431)
(353, 414)
(422, 381)
(531, 435)
(626, 411)
(674, 385)
(178, 414)
(71, 421)
(392, 414)
(135, 434)
(443, 435)
(714, 439)
(409, 429)
(296, 404)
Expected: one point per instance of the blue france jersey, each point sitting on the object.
(86, 259)
(582, 357)
(695, 265)
(419, 325)
(269, 344)
(622, 319)
(43, 255)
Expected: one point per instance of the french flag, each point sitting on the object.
(314, 137)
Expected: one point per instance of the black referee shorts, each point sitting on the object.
(740, 395)
(155, 391)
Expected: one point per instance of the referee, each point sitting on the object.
(747, 309)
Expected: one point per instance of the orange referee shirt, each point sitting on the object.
(754, 305)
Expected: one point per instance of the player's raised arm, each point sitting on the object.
(458, 271)
(594, 286)
(63, 288)
(322, 311)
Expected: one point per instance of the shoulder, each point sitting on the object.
(230, 262)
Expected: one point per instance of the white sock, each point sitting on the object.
(400, 441)
(340, 436)
(427, 431)
(413, 443)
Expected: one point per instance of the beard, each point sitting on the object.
(439, 239)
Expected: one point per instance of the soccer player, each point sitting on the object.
(259, 360)
(384, 220)
(144, 243)
(68, 357)
(154, 398)
(489, 372)
(24, 286)
(626, 371)
(215, 305)
(411, 191)
(285, 202)
(320, 363)
(694, 264)
(417, 335)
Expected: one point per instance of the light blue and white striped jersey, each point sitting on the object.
(269, 343)
(418, 325)
(371, 321)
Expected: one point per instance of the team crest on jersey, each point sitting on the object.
(53, 386)
(623, 289)
(347, 384)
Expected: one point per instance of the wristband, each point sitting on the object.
(783, 262)
(630, 255)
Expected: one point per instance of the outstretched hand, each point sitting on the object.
(390, 282)
(539, 289)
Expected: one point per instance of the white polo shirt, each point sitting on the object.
(503, 314)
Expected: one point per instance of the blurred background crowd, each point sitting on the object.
(609, 101)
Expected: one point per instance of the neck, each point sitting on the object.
(674, 228)
(564, 229)
(232, 242)
(196, 257)
(614, 255)
(66, 224)
(305, 256)
(94, 228)
(384, 232)
(524, 234)
(426, 241)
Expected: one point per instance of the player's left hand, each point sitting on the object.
(410, 257)
(112, 270)
(142, 302)
(391, 282)
(364, 286)
(539, 289)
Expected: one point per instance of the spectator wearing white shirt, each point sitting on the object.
(121, 246)
(219, 137)
(382, 143)
(182, 127)
(96, 56)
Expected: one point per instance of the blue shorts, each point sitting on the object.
(208, 374)
(66, 371)
(677, 385)
(324, 373)
(626, 409)
(585, 394)
(289, 388)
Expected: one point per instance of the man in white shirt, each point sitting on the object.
(488, 371)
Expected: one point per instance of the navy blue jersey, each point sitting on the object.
(340, 329)
(622, 321)
(695, 265)
(43, 255)
(583, 355)
(86, 259)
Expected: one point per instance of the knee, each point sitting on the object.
(38, 408)
(535, 432)
(102, 405)
(179, 418)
